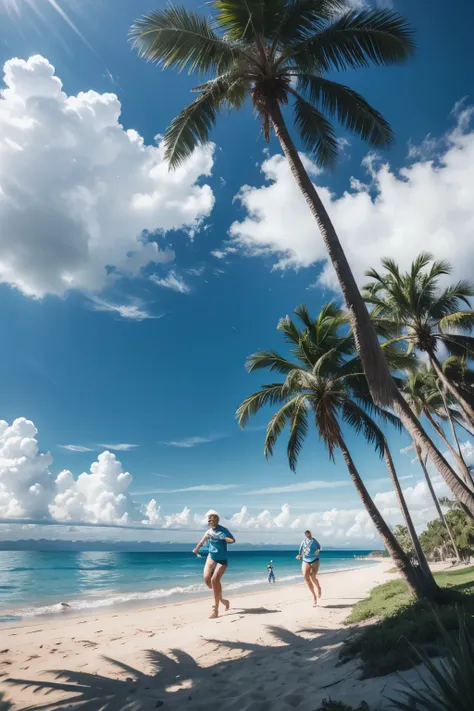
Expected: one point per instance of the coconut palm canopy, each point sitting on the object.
(324, 382)
(275, 52)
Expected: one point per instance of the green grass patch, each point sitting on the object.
(387, 646)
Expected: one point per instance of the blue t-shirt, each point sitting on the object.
(309, 549)
(217, 544)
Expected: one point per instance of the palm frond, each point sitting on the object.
(277, 425)
(302, 18)
(354, 40)
(298, 431)
(271, 360)
(459, 320)
(191, 127)
(363, 424)
(348, 107)
(457, 345)
(177, 37)
(315, 131)
(268, 395)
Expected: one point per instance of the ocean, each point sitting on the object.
(35, 583)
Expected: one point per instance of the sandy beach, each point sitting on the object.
(272, 650)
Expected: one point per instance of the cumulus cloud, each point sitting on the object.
(393, 213)
(28, 489)
(78, 191)
(103, 496)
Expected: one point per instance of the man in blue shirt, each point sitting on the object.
(217, 537)
(309, 552)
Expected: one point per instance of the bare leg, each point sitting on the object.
(217, 587)
(306, 570)
(209, 570)
(314, 577)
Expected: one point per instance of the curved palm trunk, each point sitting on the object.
(436, 502)
(456, 438)
(466, 474)
(400, 558)
(453, 389)
(381, 384)
(424, 567)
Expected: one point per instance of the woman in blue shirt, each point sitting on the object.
(309, 552)
(217, 537)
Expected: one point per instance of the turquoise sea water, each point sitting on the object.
(35, 583)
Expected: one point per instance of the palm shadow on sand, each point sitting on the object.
(176, 678)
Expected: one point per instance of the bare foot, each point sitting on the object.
(226, 604)
(315, 603)
(214, 614)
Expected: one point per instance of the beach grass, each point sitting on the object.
(402, 624)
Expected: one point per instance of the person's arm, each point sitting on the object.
(298, 557)
(228, 537)
(201, 543)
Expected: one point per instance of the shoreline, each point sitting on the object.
(146, 603)
(172, 655)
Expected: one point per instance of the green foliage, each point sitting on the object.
(450, 685)
(256, 49)
(414, 308)
(435, 540)
(404, 539)
(323, 375)
(387, 646)
(330, 705)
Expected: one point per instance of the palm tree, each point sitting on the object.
(415, 391)
(263, 49)
(415, 309)
(425, 395)
(326, 380)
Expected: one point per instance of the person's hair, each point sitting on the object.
(308, 531)
(212, 515)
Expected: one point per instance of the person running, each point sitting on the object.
(271, 572)
(217, 537)
(309, 552)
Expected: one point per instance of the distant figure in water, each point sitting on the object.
(271, 573)
(217, 538)
(309, 552)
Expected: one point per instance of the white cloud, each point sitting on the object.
(398, 213)
(188, 442)
(28, 489)
(121, 447)
(78, 191)
(29, 492)
(198, 487)
(301, 486)
(133, 311)
(75, 448)
(172, 281)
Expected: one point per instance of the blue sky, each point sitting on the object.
(88, 374)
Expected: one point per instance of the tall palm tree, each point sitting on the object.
(415, 309)
(425, 395)
(326, 381)
(276, 52)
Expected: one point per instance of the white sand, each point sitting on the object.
(271, 651)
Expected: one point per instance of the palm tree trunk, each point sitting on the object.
(466, 469)
(453, 389)
(466, 474)
(381, 384)
(424, 567)
(436, 502)
(419, 587)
